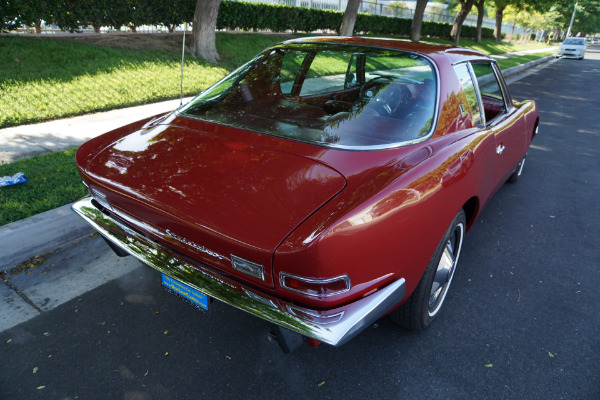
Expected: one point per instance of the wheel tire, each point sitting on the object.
(517, 174)
(423, 306)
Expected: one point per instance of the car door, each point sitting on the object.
(506, 122)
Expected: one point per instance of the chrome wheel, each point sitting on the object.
(445, 270)
(425, 303)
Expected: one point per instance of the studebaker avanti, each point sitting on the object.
(324, 184)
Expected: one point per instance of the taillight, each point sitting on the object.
(316, 287)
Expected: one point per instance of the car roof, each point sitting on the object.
(433, 50)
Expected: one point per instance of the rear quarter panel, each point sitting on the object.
(387, 222)
(393, 232)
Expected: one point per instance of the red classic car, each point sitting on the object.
(322, 185)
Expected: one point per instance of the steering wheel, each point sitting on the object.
(389, 100)
(368, 89)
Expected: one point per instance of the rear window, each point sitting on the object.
(331, 95)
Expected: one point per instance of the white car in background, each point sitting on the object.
(572, 47)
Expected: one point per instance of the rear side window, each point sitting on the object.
(466, 81)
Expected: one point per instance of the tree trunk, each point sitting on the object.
(465, 8)
(480, 12)
(556, 34)
(203, 30)
(38, 26)
(349, 18)
(96, 28)
(417, 22)
(498, 28)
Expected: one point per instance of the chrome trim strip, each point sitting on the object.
(356, 316)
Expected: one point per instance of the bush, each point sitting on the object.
(279, 18)
(71, 14)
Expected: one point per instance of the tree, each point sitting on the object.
(480, 14)
(8, 15)
(171, 13)
(465, 9)
(417, 22)
(137, 13)
(587, 18)
(500, 6)
(203, 30)
(349, 18)
(32, 13)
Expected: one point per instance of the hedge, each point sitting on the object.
(69, 14)
(279, 18)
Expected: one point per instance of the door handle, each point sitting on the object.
(500, 149)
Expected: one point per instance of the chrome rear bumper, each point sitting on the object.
(335, 327)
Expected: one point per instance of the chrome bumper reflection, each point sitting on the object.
(335, 327)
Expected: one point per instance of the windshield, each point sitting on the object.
(574, 42)
(331, 95)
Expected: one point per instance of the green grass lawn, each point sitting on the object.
(42, 79)
(514, 61)
(53, 182)
(490, 46)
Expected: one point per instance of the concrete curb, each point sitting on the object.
(520, 68)
(50, 230)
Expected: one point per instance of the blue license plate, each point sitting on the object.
(190, 294)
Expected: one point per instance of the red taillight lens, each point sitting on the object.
(316, 287)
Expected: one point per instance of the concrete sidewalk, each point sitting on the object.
(27, 140)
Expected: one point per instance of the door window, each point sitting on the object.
(492, 96)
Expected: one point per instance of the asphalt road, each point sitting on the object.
(521, 320)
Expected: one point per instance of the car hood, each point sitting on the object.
(210, 196)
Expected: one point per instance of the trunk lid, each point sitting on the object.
(210, 196)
